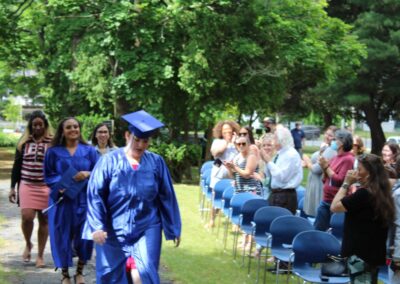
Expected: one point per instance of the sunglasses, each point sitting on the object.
(242, 133)
(241, 144)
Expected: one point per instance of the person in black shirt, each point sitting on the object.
(368, 214)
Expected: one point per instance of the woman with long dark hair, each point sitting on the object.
(368, 214)
(33, 193)
(69, 154)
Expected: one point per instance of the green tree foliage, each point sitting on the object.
(374, 91)
(12, 111)
(186, 61)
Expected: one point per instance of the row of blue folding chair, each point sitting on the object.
(205, 170)
(223, 193)
(261, 223)
(236, 203)
(247, 211)
(205, 189)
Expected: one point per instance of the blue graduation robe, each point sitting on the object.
(66, 219)
(132, 206)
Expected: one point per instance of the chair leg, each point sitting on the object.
(258, 269)
(235, 243)
(277, 270)
(226, 233)
(249, 260)
(219, 222)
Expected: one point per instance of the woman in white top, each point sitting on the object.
(222, 149)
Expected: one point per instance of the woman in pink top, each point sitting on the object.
(334, 173)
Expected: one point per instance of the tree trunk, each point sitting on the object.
(209, 137)
(377, 135)
(327, 119)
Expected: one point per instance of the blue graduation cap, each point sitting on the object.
(67, 182)
(142, 124)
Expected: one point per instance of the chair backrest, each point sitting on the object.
(207, 181)
(238, 200)
(283, 229)
(337, 224)
(227, 196)
(300, 206)
(265, 215)
(206, 166)
(314, 247)
(249, 208)
(220, 187)
(300, 192)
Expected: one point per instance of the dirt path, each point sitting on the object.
(12, 243)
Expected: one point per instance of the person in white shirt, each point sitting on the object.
(285, 170)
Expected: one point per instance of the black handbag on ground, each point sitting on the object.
(337, 267)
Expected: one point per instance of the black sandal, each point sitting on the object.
(79, 271)
(65, 275)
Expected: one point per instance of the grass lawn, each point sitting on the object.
(200, 257)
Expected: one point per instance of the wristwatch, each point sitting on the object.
(345, 186)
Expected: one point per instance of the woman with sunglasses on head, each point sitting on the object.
(368, 214)
(69, 153)
(27, 172)
(101, 139)
(242, 169)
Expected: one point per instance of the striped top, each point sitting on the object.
(245, 184)
(28, 164)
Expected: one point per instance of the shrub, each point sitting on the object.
(179, 157)
(9, 139)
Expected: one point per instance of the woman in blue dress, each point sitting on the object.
(131, 199)
(66, 217)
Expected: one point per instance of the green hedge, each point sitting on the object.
(179, 157)
(9, 139)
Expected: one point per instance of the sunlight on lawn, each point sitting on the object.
(200, 257)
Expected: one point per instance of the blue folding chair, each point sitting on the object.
(207, 166)
(337, 225)
(313, 247)
(219, 188)
(283, 230)
(206, 190)
(226, 204)
(246, 216)
(261, 227)
(236, 203)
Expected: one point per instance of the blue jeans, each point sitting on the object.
(323, 217)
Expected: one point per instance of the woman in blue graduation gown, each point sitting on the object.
(131, 200)
(66, 219)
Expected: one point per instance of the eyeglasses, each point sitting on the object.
(356, 145)
(242, 133)
(241, 144)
